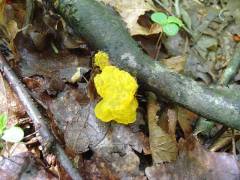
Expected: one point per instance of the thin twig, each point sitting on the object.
(38, 120)
(66, 163)
(30, 5)
(209, 142)
(233, 143)
(177, 8)
(233, 67)
(158, 46)
(47, 140)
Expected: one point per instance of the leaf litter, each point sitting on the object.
(56, 66)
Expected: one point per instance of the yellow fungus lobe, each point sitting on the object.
(117, 89)
(101, 59)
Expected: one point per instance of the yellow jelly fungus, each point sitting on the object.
(117, 89)
(101, 59)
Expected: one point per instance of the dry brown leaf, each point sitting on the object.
(224, 140)
(130, 12)
(23, 166)
(2, 8)
(185, 120)
(12, 29)
(10, 103)
(3, 96)
(163, 145)
(175, 63)
(55, 69)
(10, 149)
(172, 121)
(97, 168)
(196, 163)
(74, 115)
(117, 149)
(15, 108)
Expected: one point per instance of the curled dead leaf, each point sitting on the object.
(196, 163)
(130, 11)
(163, 145)
(74, 115)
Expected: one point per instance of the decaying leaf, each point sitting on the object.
(130, 11)
(185, 120)
(97, 168)
(196, 163)
(74, 115)
(163, 145)
(233, 7)
(10, 104)
(11, 17)
(15, 149)
(175, 45)
(55, 68)
(12, 29)
(224, 140)
(3, 96)
(2, 7)
(23, 166)
(196, 68)
(172, 121)
(117, 150)
(186, 18)
(175, 63)
(125, 164)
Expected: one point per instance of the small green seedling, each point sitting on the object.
(13, 134)
(170, 24)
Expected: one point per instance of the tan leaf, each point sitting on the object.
(163, 145)
(12, 28)
(2, 8)
(196, 163)
(185, 119)
(175, 63)
(172, 121)
(224, 140)
(130, 12)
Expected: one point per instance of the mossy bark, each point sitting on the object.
(104, 30)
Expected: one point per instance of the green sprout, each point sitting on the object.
(13, 134)
(169, 24)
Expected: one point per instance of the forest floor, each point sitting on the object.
(167, 141)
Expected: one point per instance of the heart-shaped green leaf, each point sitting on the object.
(171, 29)
(173, 19)
(159, 18)
(13, 134)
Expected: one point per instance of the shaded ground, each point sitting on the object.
(166, 141)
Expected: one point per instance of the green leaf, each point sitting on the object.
(186, 18)
(159, 18)
(175, 20)
(13, 134)
(3, 122)
(171, 29)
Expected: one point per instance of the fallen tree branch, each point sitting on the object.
(46, 138)
(104, 30)
(39, 121)
(203, 124)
